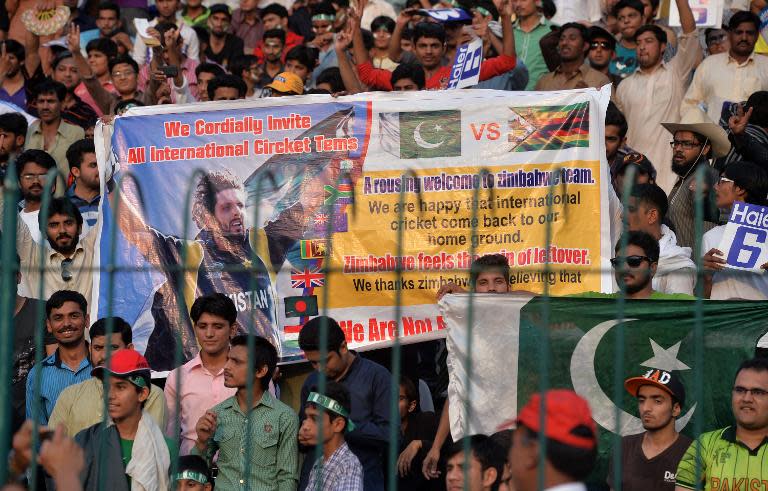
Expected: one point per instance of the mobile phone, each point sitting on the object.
(170, 71)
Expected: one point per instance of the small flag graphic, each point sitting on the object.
(307, 278)
(313, 249)
(300, 306)
(430, 134)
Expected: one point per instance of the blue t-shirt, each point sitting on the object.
(625, 62)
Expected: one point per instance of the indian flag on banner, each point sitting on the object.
(581, 335)
(549, 127)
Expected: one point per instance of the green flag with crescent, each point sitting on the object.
(581, 344)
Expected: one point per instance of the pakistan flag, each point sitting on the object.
(430, 134)
(519, 342)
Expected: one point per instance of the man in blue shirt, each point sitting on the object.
(85, 193)
(368, 385)
(66, 319)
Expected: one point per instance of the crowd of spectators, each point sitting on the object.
(687, 127)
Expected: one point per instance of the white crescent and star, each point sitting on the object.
(420, 141)
(585, 383)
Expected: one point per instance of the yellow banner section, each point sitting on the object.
(443, 221)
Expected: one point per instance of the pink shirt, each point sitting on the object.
(200, 391)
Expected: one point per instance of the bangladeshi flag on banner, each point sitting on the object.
(579, 344)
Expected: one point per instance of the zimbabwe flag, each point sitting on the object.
(549, 127)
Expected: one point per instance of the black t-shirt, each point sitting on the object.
(640, 473)
(24, 352)
(233, 47)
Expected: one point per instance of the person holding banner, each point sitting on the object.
(430, 47)
(742, 182)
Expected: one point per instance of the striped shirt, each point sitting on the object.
(342, 472)
(55, 376)
(725, 463)
(265, 460)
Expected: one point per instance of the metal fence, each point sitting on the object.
(8, 274)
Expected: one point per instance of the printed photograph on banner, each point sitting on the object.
(348, 208)
(266, 189)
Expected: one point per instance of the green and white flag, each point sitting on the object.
(430, 134)
(510, 344)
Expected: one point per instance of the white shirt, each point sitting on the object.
(734, 284)
(190, 44)
(571, 486)
(30, 218)
(577, 10)
(676, 272)
(720, 78)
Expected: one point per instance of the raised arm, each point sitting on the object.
(348, 75)
(395, 50)
(508, 35)
(687, 21)
(100, 95)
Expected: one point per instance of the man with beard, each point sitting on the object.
(74, 110)
(646, 208)
(572, 73)
(32, 168)
(649, 460)
(66, 315)
(695, 140)
(727, 457)
(635, 263)
(85, 193)
(51, 133)
(602, 49)
(67, 262)
(652, 93)
(222, 46)
(13, 133)
(730, 77)
(223, 243)
(251, 415)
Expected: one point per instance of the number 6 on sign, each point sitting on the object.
(745, 237)
(747, 247)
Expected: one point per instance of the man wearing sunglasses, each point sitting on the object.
(602, 49)
(634, 265)
(32, 167)
(733, 457)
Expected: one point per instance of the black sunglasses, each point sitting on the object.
(632, 261)
(66, 270)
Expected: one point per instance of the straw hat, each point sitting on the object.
(696, 121)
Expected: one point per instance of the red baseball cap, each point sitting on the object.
(127, 364)
(564, 411)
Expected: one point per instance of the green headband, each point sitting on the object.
(328, 17)
(483, 12)
(331, 405)
(191, 475)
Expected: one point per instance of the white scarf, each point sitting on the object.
(150, 458)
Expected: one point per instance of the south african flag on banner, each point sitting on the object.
(549, 127)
